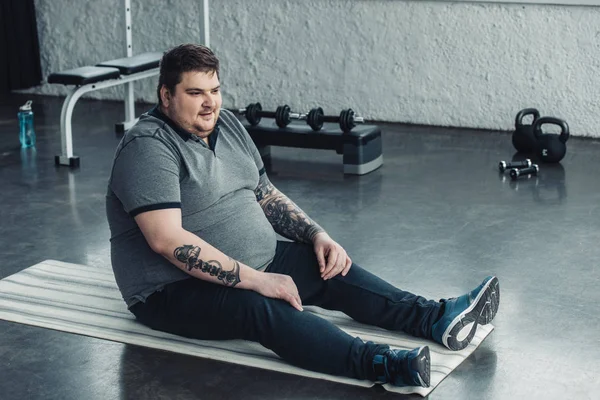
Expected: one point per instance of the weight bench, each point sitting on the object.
(122, 71)
(361, 147)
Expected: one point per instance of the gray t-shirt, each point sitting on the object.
(158, 165)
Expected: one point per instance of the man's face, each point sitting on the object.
(195, 103)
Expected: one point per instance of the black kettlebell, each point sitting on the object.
(522, 138)
(550, 147)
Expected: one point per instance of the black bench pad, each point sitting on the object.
(134, 64)
(83, 75)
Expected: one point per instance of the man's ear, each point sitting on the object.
(165, 95)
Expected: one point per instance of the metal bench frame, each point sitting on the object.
(66, 132)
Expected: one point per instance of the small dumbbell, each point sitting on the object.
(283, 115)
(516, 173)
(503, 165)
(347, 119)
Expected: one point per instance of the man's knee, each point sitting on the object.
(261, 317)
(262, 308)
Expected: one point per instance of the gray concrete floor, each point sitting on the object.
(435, 219)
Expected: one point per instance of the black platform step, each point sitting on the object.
(361, 148)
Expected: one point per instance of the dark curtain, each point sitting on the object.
(20, 66)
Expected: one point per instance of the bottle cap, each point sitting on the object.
(26, 106)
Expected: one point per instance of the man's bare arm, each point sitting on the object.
(163, 232)
(284, 215)
(165, 235)
(190, 256)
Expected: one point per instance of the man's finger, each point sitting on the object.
(337, 268)
(291, 295)
(342, 260)
(339, 265)
(332, 255)
(348, 265)
(331, 261)
(295, 302)
(321, 258)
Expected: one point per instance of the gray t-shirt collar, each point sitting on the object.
(185, 135)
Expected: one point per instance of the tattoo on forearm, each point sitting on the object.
(286, 217)
(190, 256)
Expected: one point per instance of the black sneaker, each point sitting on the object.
(458, 324)
(404, 367)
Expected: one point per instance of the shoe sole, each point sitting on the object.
(487, 299)
(492, 297)
(422, 364)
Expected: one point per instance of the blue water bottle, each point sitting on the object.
(26, 132)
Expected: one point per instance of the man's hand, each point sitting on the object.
(279, 286)
(331, 256)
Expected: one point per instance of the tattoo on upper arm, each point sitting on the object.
(190, 256)
(264, 188)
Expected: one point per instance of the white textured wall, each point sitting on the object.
(451, 64)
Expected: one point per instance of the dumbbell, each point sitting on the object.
(283, 115)
(503, 165)
(516, 173)
(347, 119)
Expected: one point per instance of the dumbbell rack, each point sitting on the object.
(361, 148)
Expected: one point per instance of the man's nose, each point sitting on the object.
(208, 102)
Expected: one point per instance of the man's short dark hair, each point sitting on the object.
(185, 58)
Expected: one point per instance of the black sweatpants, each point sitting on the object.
(198, 309)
